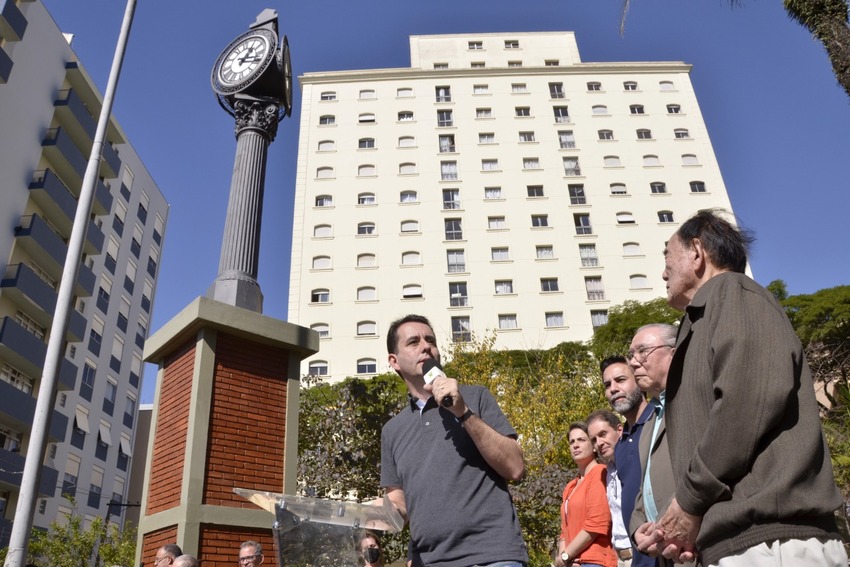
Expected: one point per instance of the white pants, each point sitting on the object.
(789, 553)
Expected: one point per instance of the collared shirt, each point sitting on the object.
(619, 533)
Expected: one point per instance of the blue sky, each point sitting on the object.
(779, 123)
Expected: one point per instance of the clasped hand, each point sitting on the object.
(673, 536)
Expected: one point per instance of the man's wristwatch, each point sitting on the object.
(466, 415)
(565, 557)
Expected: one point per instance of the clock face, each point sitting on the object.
(243, 60)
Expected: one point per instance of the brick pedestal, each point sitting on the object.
(225, 416)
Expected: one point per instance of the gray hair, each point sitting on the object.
(258, 549)
(667, 331)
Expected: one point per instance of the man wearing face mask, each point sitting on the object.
(370, 549)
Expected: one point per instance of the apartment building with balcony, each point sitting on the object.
(49, 108)
(497, 185)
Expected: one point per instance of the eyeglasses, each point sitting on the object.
(156, 560)
(642, 353)
(249, 558)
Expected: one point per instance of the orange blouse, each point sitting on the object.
(585, 507)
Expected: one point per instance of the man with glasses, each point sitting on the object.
(250, 554)
(166, 555)
(754, 481)
(625, 397)
(650, 354)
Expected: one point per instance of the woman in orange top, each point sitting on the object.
(585, 516)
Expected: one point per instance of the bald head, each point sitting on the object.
(187, 561)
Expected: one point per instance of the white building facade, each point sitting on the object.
(498, 185)
(49, 108)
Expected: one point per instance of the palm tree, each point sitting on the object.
(827, 20)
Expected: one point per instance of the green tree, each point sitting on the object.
(624, 320)
(69, 542)
(827, 20)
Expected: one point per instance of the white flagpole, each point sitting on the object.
(24, 512)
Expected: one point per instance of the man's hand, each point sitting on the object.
(679, 530)
(443, 387)
(647, 538)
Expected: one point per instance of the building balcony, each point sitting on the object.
(18, 411)
(5, 66)
(25, 288)
(60, 206)
(110, 163)
(13, 24)
(5, 532)
(26, 352)
(75, 118)
(12, 467)
(48, 250)
(67, 159)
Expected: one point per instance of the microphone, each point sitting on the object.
(431, 369)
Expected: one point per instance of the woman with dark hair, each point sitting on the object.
(585, 516)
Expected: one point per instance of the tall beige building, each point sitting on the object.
(497, 185)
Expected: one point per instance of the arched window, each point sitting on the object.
(611, 161)
(638, 281)
(318, 368)
(666, 86)
(366, 199)
(327, 120)
(325, 173)
(321, 262)
(366, 170)
(365, 228)
(651, 160)
(618, 189)
(367, 94)
(367, 366)
(324, 201)
(408, 197)
(322, 231)
(665, 216)
(323, 329)
(411, 291)
(410, 226)
(406, 168)
(689, 159)
(320, 295)
(411, 258)
(327, 146)
(631, 249)
(366, 143)
(405, 116)
(367, 329)
(367, 293)
(406, 142)
(366, 261)
(625, 217)
(366, 118)
(599, 109)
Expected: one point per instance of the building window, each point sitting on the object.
(366, 261)
(366, 143)
(318, 368)
(477, 64)
(325, 173)
(448, 170)
(409, 226)
(321, 262)
(447, 143)
(451, 199)
(367, 293)
(327, 96)
(630, 86)
(496, 223)
(504, 287)
(327, 120)
(674, 109)
(526, 137)
(492, 193)
(522, 111)
(461, 329)
(320, 296)
(636, 109)
(476, 45)
(534, 190)
(566, 139)
(366, 170)
(548, 285)
(519, 88)
(406, 168)
(665, 216)
(651, 161)
(551, 62)
(511, 44)
(480, 89)
(625, 217)
(697, 187)
(554, 318)
(593, 286)
(411, 291)
(367, 329)
(666, 86)
(681, 133)
(404, 92)
(514, 63)
(324, 201)
(129, 411)
(562, 114)
(411, 258)
(631, 249)
(366, 199)
(531, 163)
(323, 329)
(454, 231)
(483, 113)
(407, 142)
(545, 252)
(611, 161)
(365, 228)
(500, 254)
(539, 221)
(366, 118)
(618, 189)
(658, 187)
(489, 165)
(605, 134)
(638, 281)
(16, 378)
(441, 65)
(689, 159)
(405, 116)
(556, 90)
(457, 294)
(582, 224)
(571, 167)
(508, 321)
(367, 94)
(443, 94)
(599, 109)
(644, 134)
(327, 146)
(456, 261)
(594, 86)
(598, 317)
(577, 196)
(587, 253)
